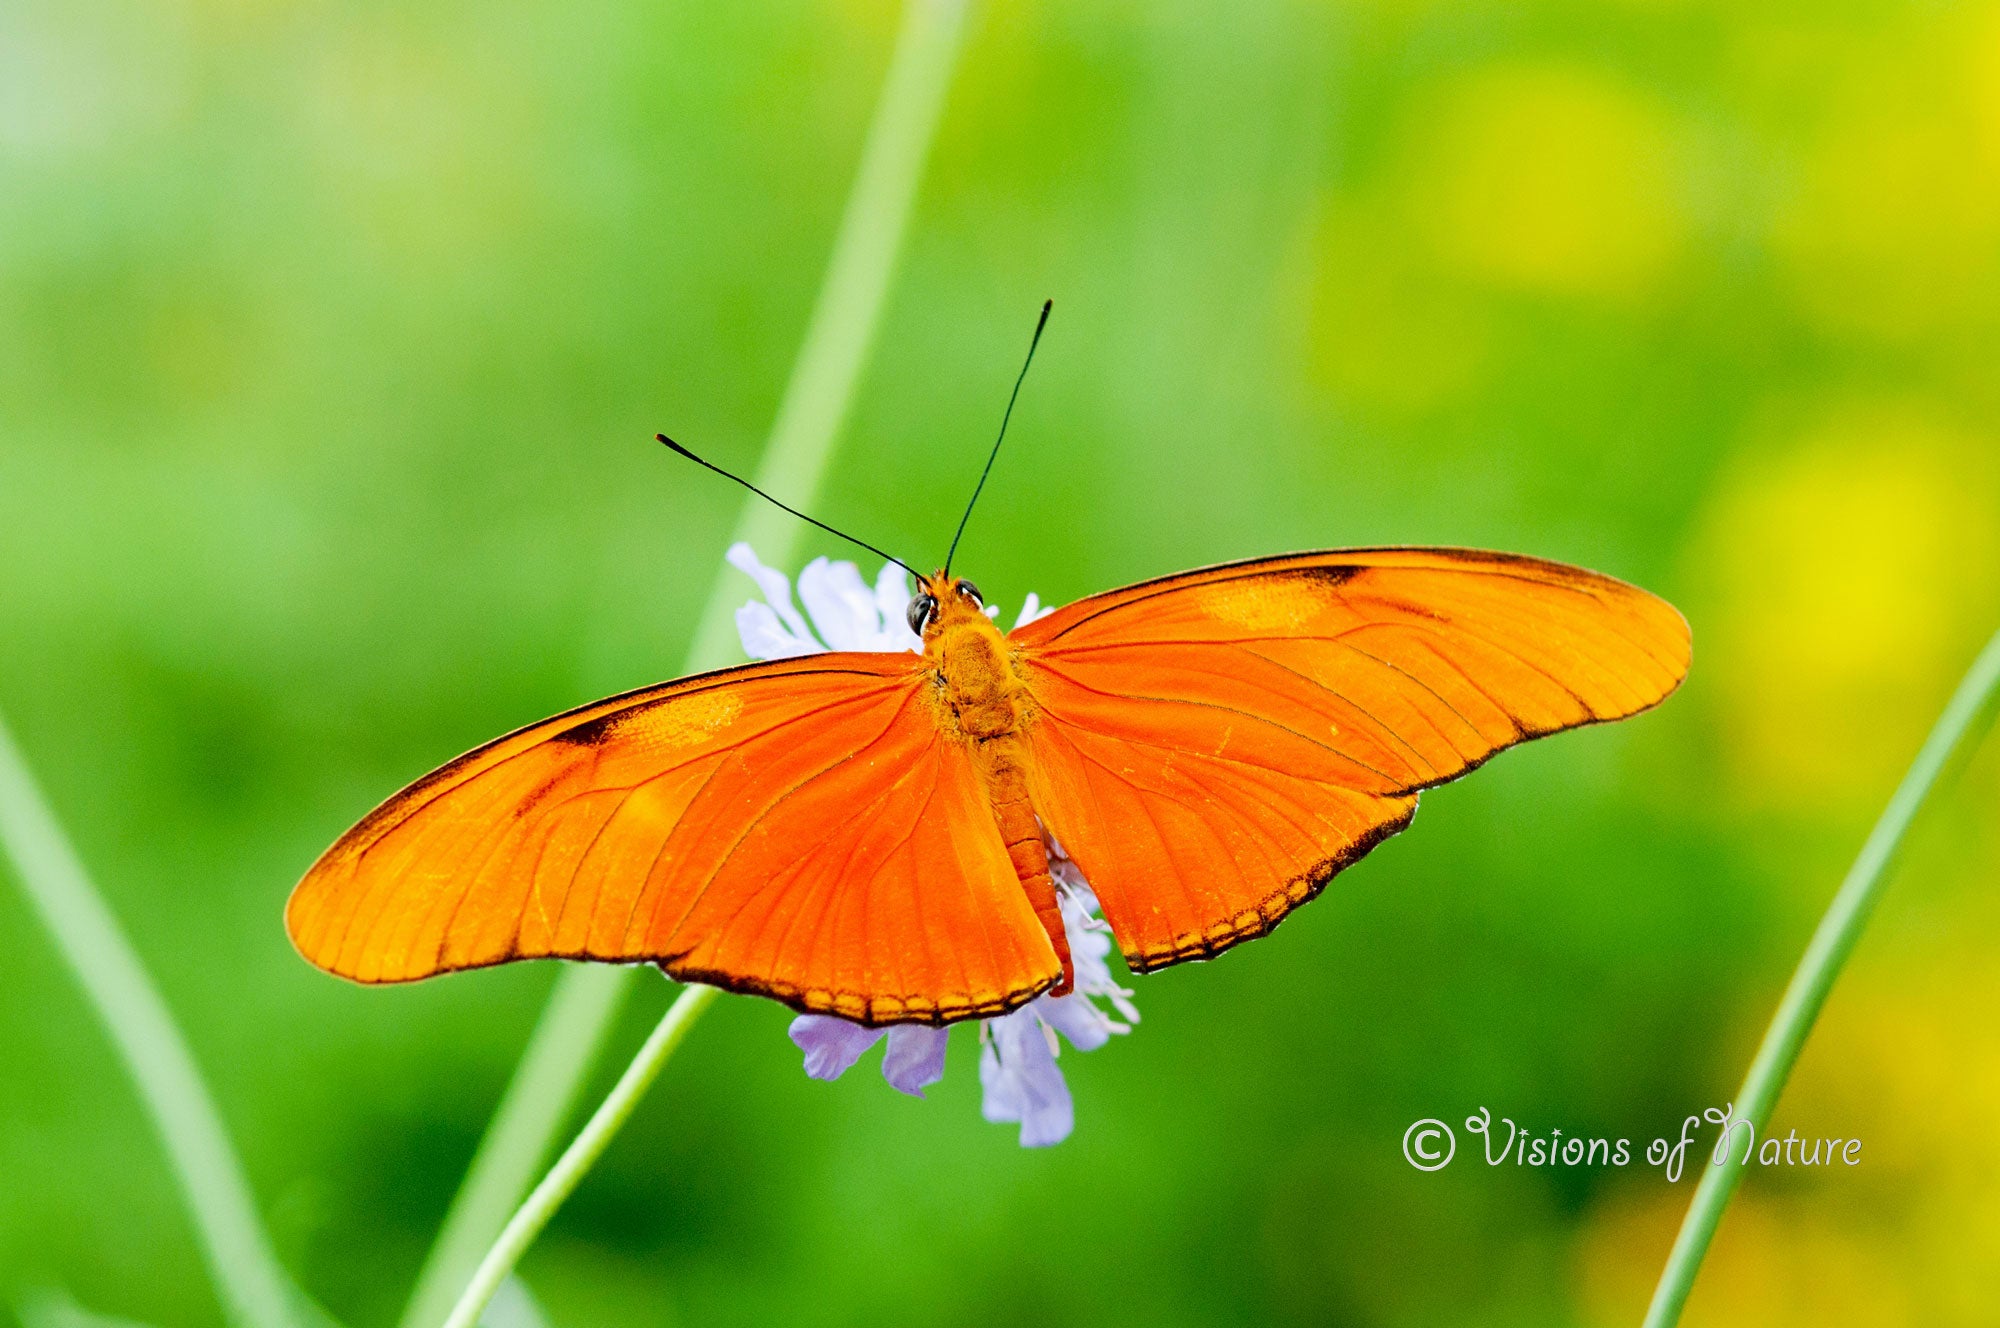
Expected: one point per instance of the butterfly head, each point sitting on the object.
(942, 598)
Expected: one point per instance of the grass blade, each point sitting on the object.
(577, 1160)
(565, 1044)
(254, 1288)
(1966, 717)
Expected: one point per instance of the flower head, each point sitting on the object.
(1018, 1074)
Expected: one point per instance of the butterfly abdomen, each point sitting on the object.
(1001, 761)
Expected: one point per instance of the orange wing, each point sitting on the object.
(799, 829)
(1212, 747)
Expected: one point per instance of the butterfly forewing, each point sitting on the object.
(800, 829)
(1210, 748)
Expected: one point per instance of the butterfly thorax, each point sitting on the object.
(982, 697)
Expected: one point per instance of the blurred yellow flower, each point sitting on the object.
(1852, 573)
(1892, 228)
(1547, 179)
(1774, 1264)
(1984, 84)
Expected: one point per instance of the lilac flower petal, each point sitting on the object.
(776, 586)
(892, 601)
(1050, 1115)
(764, 637)
(914, 1058)
(831, 1045)
(1003, 1095)
(1049, 1125)
(841, 605)
(1076, 1019)
(1031, 609)
(1083, 928)
(999, 1096)
(1018, 1072)
(1090, 948)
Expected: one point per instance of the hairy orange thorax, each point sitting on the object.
(981, 690)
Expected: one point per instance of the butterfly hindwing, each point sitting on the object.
(799, 829)
(1212, 747)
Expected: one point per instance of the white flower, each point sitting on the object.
(1017, 1051)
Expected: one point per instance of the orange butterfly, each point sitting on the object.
(867, 835)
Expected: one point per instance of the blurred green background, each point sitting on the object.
(332, 339)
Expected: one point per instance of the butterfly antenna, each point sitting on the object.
(1033, 342)
(702, 461)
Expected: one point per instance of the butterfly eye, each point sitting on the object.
(921, 609)
(967, 588)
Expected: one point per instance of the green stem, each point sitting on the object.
(254, 1289)
(566, 1041)
(580, 1156)
(815, 404)
(1958, 729)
